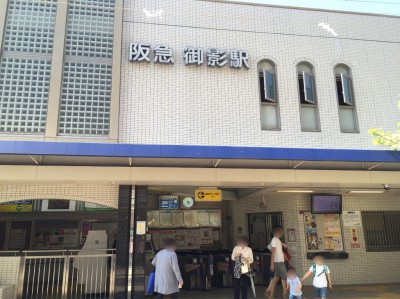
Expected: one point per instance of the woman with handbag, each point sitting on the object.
(243, 257)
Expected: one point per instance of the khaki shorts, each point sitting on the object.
(280, 270)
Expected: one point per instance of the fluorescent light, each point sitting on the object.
(294, 191)
(367, 191)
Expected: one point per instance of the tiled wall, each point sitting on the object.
(361, 268)
(104, 195)
(9, 273)
(198, 105)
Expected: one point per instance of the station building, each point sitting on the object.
(115, 112)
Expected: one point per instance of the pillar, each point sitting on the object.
(123, 238)
(139, 244)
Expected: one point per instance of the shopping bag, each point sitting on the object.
(150, 285)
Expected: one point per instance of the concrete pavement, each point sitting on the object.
(388, 291)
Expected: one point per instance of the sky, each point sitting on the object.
(387, 7)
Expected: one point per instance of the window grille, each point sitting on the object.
(381, 231)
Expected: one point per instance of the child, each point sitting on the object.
(322, 277)
(293, 285)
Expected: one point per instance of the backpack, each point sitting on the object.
(325, 269)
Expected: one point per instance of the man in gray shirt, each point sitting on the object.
(168, 278)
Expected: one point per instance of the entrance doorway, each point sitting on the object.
(260, 228)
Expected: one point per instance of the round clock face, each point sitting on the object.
(188, 202)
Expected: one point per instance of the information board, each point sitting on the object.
(184, 218)
(168, 202)
(187, 239)
(323, 232)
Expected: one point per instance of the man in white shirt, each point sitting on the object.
(277, 261)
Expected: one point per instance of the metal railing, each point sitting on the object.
(68, 274)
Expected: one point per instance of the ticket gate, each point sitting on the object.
(257, 268)
(204, 272)
(222, 277)
(265, 259)
(189, 267)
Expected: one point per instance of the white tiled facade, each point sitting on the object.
(198, 105)
(362, 267)
(9, 276)
(98, 194)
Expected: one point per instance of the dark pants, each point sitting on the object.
(172, 296)
(243, 282)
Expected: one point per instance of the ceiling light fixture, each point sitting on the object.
(366, 191)
(294, 191)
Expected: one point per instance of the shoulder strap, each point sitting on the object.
(314, 268)
(325, 268)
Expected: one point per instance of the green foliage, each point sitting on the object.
(390, 139)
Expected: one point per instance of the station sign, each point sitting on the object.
(208, 195)
(212, 57)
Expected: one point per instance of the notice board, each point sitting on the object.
(323, 232)
(207, 238)
(183, 218)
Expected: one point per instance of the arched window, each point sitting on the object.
(345, 97)
(268, 95)
(308, 97)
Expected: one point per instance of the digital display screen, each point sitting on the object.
(326, 204)
(170, 202)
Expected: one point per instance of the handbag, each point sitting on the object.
(286, 253)
(244, 268)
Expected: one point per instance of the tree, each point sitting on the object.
(390, 139)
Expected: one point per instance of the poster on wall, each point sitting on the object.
(311, 223)
(352, 218)
(215, 218)
(206, 237)
(178, 219)
(354, 238)
(190, 218)
(337, 243)
(17, 206)
(203, 218)
(292, 248)
(165, 219)
(291, 234)
(328, 243)
(312, 241)
(332, 225)
(192, 239)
